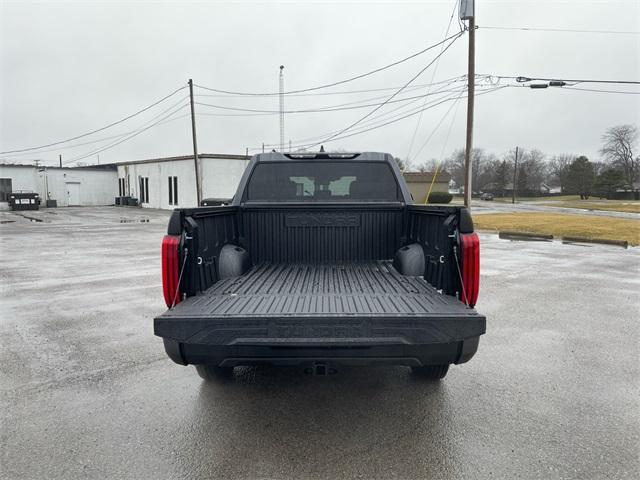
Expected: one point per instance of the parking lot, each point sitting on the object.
(88, 392)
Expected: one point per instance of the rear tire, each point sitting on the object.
(431, 372)
(211, 373)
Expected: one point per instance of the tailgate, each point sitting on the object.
(330, 305)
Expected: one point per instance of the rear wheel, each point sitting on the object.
(431, 372)
(212, 373)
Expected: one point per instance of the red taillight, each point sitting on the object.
(470, 267)
(170, 269)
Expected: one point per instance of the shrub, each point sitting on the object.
(440, 197)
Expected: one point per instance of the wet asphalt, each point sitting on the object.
(87, 391)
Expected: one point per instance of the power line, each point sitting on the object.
(340, 82)
(396, 118)
(103, 139)
(399, 118)
(273, 113)
(111, 145)
(334, 108)
(373, 120)
(134, 134)
(455, 37)
(456, 103)
(567, 30)
(599, 90)
(340, 92)
(444, 145)
(392, 121)
(433, 76)
(97, 130)
(163, 122)
(521, 79)
(376, 119)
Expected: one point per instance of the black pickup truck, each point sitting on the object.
(321, 260)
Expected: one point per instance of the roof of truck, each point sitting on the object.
(297, 156)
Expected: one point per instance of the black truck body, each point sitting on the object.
(321, 260)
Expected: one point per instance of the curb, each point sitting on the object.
(603, 241)
(536, 237)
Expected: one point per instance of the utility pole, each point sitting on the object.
(196, 162)
(467, 12)
(282, 108)
(60, 158)
(515, 178)
(46, 184)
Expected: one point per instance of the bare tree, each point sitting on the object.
(402, 164)
(535, 167)
(455, 166)
(430, 165)
(618, 144)
(559, 168)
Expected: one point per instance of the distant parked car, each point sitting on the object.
(22, 200)
(486, 196)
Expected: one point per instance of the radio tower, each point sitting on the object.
(282, 108)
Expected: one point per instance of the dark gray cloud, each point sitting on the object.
(69, 67)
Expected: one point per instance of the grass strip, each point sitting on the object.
(562, 225)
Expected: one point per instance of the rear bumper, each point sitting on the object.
(392, 341)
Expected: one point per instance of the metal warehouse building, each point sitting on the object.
(171, 182)
(67, 186)
(419, 184)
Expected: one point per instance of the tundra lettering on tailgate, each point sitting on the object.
(322, 220)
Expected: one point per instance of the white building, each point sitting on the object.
(169, 183)
(164, 183)
(67, 186)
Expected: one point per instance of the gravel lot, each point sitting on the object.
(87, 391)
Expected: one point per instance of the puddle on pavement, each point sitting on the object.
(576, 244)
(522, 237)
(31, 219)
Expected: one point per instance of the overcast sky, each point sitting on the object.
(70, 67)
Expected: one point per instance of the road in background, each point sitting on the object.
(87, 390)
(480, 207)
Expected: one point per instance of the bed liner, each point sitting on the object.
(284, 303)
(354, 289)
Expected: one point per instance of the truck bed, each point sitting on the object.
(280, 302)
